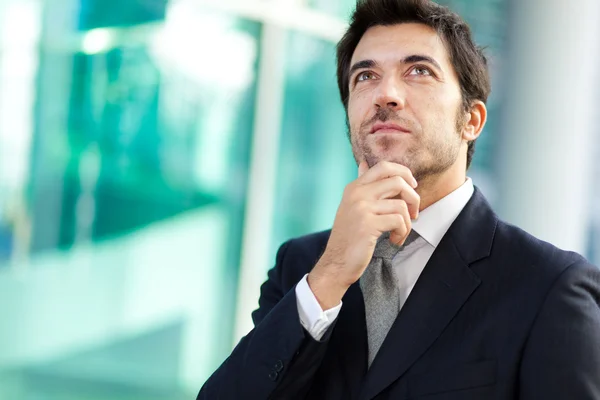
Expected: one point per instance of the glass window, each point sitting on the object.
(339, 8)
(137, 194)
(315, 159)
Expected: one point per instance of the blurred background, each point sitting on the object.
(154, 154)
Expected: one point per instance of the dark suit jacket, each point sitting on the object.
(496, 314)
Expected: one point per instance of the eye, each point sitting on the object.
(365, 76)
(420, 70)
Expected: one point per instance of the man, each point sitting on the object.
(419, 290)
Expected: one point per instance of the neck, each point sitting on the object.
(433, 188)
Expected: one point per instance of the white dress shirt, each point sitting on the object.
(432, 225)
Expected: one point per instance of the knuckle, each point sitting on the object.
(349, 188)
(362, 206)
(403, 169)
(400, 220)
(346, 193)
(402, 206)
(400, 181)
(364, 227)
(350, 193)
(400, 232)
(397, 182)
(386, 166)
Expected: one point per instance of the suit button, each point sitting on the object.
(273, 376)
(279, 366)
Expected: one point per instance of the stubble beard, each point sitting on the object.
(425, 157)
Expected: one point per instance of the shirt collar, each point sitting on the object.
(435, 220)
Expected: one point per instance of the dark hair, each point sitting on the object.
(466, 57)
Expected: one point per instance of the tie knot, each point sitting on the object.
(387, 250)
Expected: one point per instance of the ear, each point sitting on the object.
(474, 121)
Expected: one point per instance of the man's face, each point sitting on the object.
(405, 101)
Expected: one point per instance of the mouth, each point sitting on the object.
(388, 127)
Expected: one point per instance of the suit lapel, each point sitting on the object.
(444, 286)
(350, 337)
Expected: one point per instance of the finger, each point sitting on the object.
(390, 206)
(386, 169)
(362, 168)
(398, 236)
(394, 223)
(383, 207)
(397, 188)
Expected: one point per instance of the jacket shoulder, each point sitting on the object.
(297, 256)
(527, 251)
(311, 242)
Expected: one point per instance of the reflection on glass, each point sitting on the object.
(315, 159)
(136, 206)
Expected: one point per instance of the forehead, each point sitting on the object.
(394, 42)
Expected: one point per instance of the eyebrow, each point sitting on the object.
(414, 58)
(361, 65)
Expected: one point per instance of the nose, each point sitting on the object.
(390, 94)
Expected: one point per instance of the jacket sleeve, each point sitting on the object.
(561, 359)
(278, 358)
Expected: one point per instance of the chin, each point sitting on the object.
(374, 159)
(396, 154)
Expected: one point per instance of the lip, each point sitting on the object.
(388, 127)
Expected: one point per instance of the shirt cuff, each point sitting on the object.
(312, 317)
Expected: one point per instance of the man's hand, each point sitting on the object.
(382, 199)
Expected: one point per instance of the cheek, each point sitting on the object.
(436, 111)
(448, 102)
(356, 112)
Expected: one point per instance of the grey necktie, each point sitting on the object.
(380, 291)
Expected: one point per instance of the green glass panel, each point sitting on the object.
(137, 202)
(315, 159)
(340, 8)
